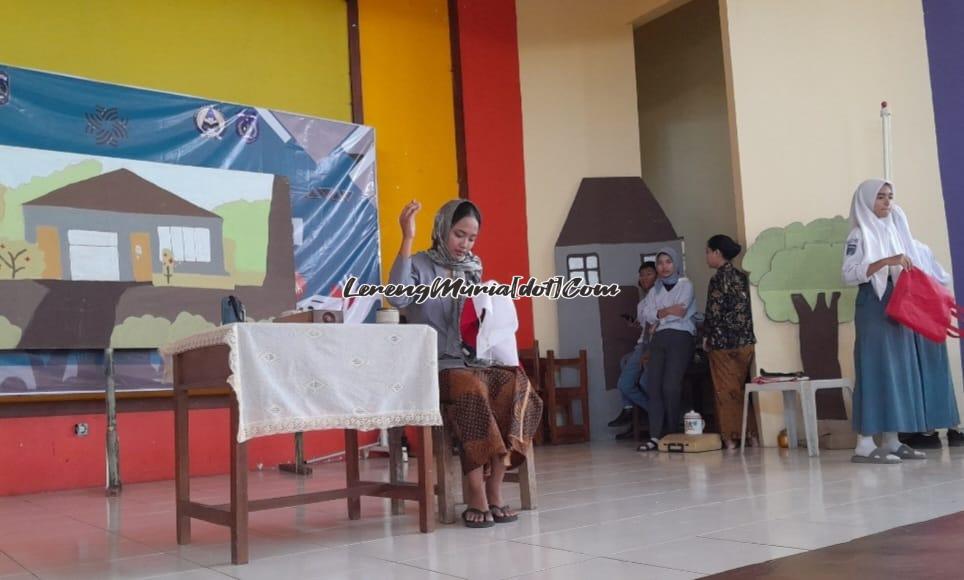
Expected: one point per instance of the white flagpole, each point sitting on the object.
(886, 128)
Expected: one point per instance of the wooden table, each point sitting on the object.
(204, 371)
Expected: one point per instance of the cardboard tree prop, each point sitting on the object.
(796, 270)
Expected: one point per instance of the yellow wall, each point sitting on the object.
(684, 131)
(576, 66)
(290, 55)
(407, 95)
(807, 81)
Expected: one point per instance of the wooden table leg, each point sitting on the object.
(239, 491)
(182, 460)
(351, 472)
(396, 466)
(426, 481)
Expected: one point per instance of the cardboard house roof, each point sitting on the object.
(615, 210)
(121, 191)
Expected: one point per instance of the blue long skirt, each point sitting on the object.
(940, 405)
(890, 393)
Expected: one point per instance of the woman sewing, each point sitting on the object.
(491, 409)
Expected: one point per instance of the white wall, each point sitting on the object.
(807, 81)
(576, 67)
(684, 130)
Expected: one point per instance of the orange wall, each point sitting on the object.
(406, 69)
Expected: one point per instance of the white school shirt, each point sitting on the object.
(659, 298)
(855, 265)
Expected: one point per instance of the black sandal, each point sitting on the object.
(502, 519)
(485, 523)
(651, 445)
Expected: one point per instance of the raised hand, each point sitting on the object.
(407, 219)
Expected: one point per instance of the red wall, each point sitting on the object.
(43, 454)
(492, 118)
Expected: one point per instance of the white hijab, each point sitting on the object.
(883, 237)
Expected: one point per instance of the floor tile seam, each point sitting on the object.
(486, 542)
(409, 565)
(585, 557)
(112, 561)
(208, 568)
(664, 567)
(456, 549)
(520, 541)
(770, 545)
(548, 568)
(17, 562)
(269, 559)
(579, 527)
(625, 483)
(618, 498)
(154, 549)
(582, 505)
(214, 566)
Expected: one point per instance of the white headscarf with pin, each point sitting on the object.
(886, 237)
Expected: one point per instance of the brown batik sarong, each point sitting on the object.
(493, 412)
(729, 369)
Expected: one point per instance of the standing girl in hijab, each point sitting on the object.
(670, 306)
(729, 336)
(491, 409)
(903, 379)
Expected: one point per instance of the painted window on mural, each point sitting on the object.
(187, 244)
(584, 266)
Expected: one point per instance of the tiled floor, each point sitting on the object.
(605, 512)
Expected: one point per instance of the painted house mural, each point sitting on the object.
(119, 226)
(614, 225)
(106, 251)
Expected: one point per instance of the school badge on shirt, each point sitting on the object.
(852, 246)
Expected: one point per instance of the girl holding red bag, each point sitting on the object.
(903, 379)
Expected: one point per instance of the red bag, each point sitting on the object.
(923, 305)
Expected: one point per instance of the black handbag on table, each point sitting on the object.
(231, 310)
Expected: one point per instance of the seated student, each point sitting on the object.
(631, 382)
(492, 409)
(670, 306)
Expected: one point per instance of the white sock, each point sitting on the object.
(890, 442)
(865, 445)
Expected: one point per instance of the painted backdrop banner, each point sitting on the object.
(127, 214)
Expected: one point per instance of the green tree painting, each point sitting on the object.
(797, 272)
(246, 240)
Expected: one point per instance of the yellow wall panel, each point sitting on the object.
(290, 55)
(407, 95)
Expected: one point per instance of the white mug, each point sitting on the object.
(386, 316)
(694, 426)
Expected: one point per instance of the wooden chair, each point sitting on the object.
(449, 467)
(559, 399)
(531, 361)
(450, 478)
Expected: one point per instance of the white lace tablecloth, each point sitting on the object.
(305, 377)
